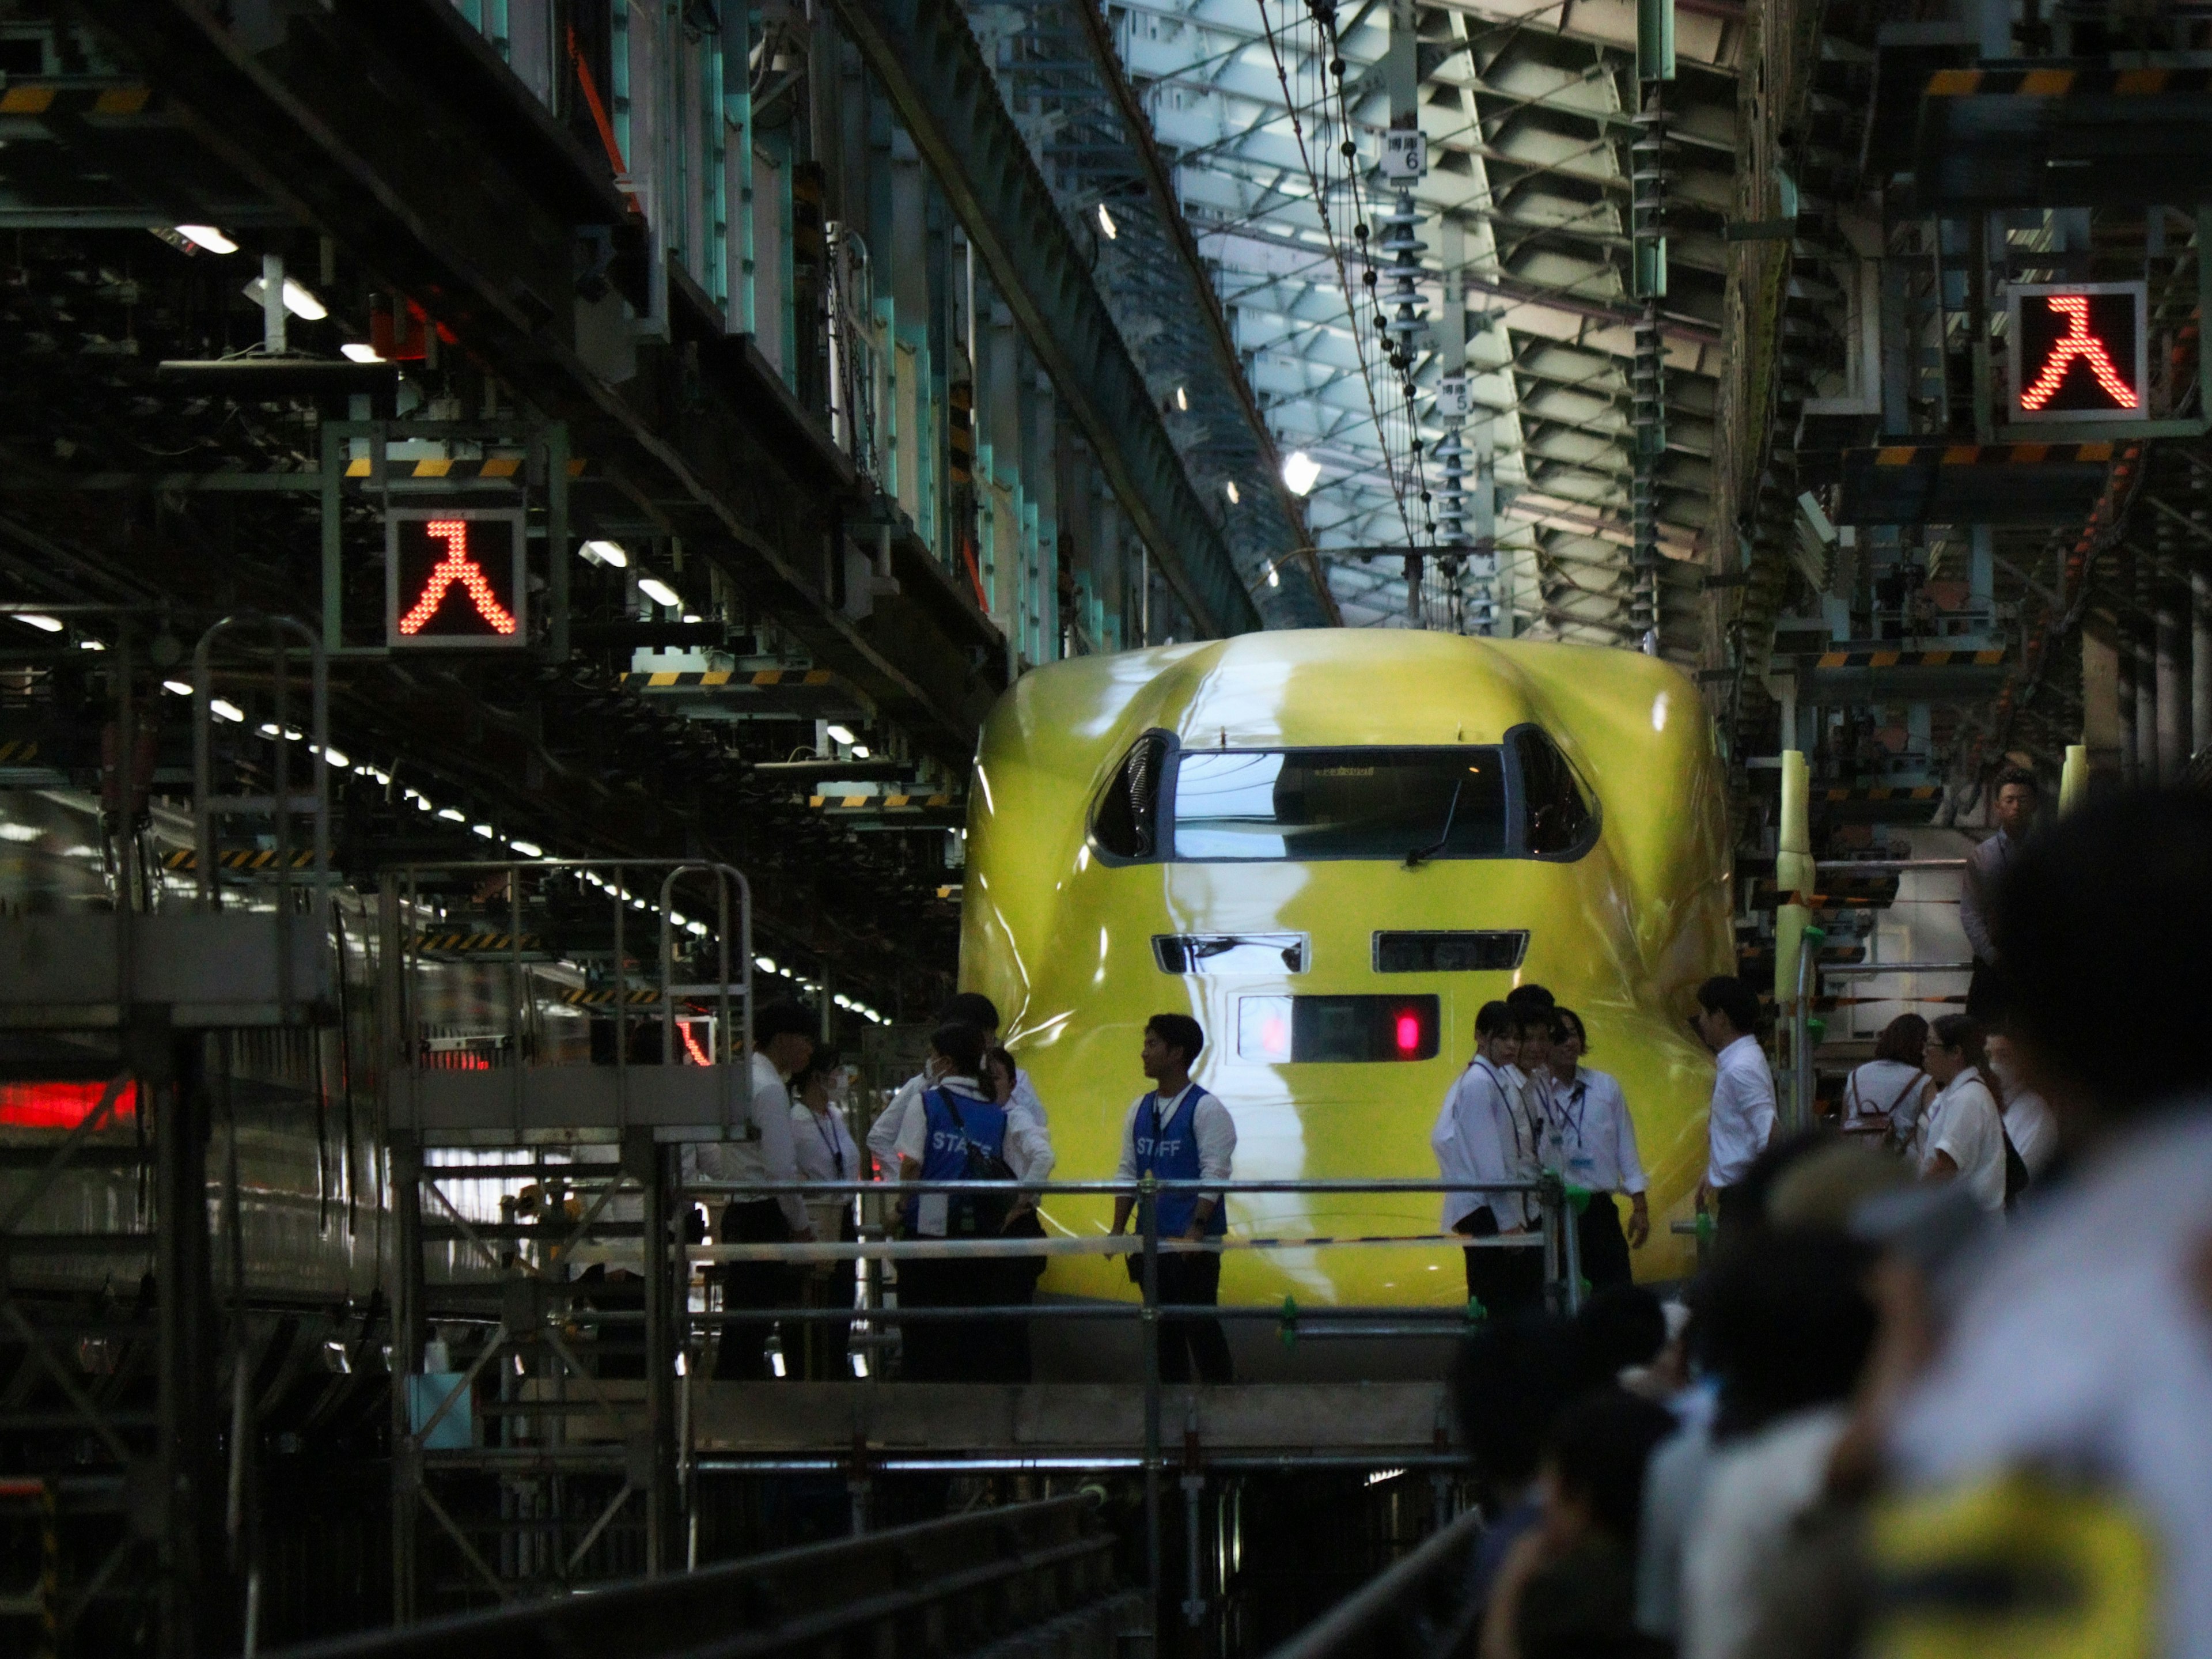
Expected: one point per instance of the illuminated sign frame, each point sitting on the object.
(2137, 370)
(484, 547)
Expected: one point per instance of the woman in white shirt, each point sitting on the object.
(1594, 1140)
(1883, 1095)
(823, 1144)
(1963, 1140)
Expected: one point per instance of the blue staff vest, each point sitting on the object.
(981, 1124)
(1172, 1155)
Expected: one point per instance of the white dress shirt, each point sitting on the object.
(1589, 1124)
(1963, 1121)
(825, 1151)
(883, 1133)
(1212, 1127)
(2033, 1130)
(768, 1156)
(1479, 1137)
(1742, 1116)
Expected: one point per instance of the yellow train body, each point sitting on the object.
(1064, 936)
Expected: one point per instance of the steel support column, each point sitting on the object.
(940, 82)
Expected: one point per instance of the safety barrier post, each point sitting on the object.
(2074, 778)
(1148, 1216)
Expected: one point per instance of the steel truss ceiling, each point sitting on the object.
(1527, 110)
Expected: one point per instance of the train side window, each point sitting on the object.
(1127, 823)
(1557, 813)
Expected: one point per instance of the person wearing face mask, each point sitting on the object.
(967, 1008)
(1965, 1138)
(1481, 1136)
(1590, 1129)
(2029, 1123)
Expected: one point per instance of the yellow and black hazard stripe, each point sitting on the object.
(960, 430)
(1847, 893)
(1910, 659)
(579, 998)
(72, 98)
(262, 858)
(490, 466)
(2068, 82)
(19, 751)
(1917, 791)
(1987, 454)
(710, 679)
(911, 803)
(463, 941)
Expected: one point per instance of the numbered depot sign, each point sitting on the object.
(1405, 156)
(2078, 351)
(454, 578)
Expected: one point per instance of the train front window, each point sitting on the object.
(1307, 804)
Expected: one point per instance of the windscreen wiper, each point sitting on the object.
(1451, 809)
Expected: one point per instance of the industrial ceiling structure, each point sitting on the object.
(1272, 117)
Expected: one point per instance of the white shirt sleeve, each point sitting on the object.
(909, 1136)
(1216, 1133)
(1625, 1157)
(1025, 1097)
(1029, 1149)
(1127, 1169)
(771, 1112)
(883, 1133)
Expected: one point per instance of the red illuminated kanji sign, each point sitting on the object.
(455, 578)
(2077, 352)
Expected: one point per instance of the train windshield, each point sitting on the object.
(1306, 804)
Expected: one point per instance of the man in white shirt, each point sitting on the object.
(2013, 798)
(783, 1042)
(1482, 1136)
(1742, 1119)
(1177, 1131)
(968, 1008)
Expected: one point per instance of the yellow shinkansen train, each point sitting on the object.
(1331, 848)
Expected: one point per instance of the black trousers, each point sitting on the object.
(952, 1350)
(1604, 1247)
(1985, 995)
(1733, 1213)
(1507, 1279)
(1189, 1343)
(742, 1356)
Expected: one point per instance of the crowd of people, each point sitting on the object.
(971, 1115)
(1945, 1382)
(1945, 1385)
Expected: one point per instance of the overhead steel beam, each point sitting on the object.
(937, 79)
(1169, 211)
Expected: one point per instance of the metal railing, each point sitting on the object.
(972, 1580)
(1554, 1234)
(728, 996)
(1419, 1608)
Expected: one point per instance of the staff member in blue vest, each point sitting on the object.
(955, 1130)
(1178, 1132)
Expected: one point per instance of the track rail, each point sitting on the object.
(959, 1585)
